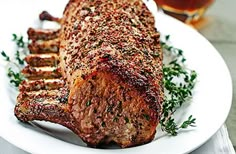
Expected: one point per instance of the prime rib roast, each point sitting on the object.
(100, 74)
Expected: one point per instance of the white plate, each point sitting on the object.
(210, 105)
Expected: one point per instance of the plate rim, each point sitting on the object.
(215, 51)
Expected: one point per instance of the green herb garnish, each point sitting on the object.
(166, 47)
(18, 58)
(15, 77)
(176, 92)
(14, 74)
(19, 40)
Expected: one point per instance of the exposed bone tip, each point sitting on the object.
(29, 30)
(47, 16)
(44, 15)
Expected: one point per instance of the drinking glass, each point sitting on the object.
(188, 11)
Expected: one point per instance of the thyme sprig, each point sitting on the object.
(15, 77)
(178, 83)
(16, 64)
(18, 58)
(173, 50)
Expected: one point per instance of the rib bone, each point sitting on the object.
(35, 85)
(42, 34)
(39, 60)
(35, 73)
(47, 16)
(51, 46)
(45, 103)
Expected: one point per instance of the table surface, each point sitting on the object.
(220, 29)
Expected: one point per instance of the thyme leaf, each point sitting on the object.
(5, 56)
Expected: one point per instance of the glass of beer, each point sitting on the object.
(188, 11)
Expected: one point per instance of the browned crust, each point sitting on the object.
(148, 89)
(115, 90)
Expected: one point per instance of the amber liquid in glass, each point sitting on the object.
(185, 10)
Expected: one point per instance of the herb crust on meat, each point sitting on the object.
(106, 84)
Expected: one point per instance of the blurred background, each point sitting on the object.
(218, 25)
(219, 28)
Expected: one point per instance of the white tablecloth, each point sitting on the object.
(218, 144)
